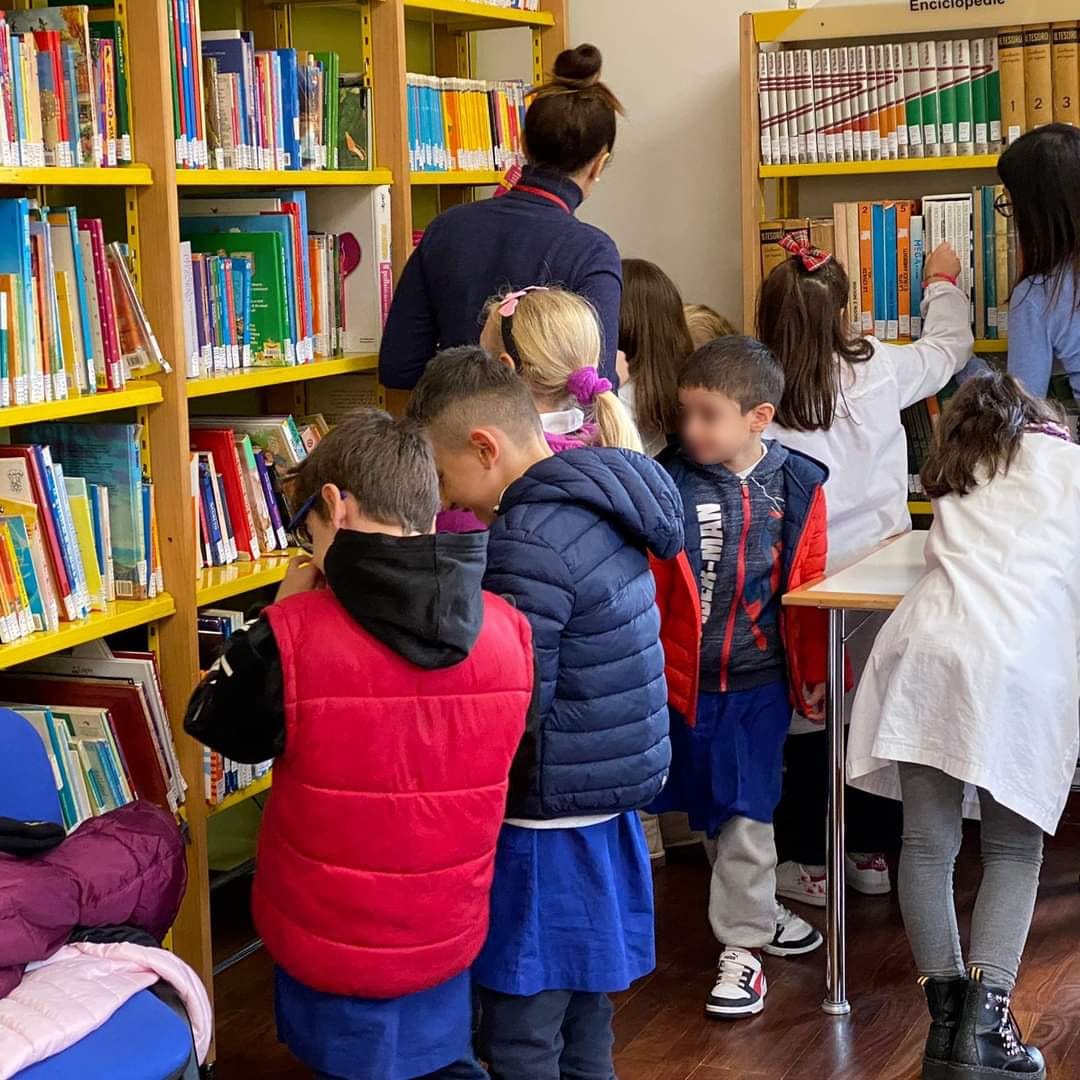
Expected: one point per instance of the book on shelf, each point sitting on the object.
(63, 89)
(238, 107)
(105, 522)
(929, 98)
(882, 245)
(238, 465)
(283, 278)
(71, 321)
(105, 729)
(473, 125)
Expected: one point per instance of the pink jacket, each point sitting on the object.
(78, 988)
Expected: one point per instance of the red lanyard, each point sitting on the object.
(541, 193)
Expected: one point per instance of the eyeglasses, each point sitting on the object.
(298, 526)
(1003, 206)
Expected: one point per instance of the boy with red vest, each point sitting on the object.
(393, 693)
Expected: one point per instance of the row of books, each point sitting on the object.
(464, 124)
(277, 279)
(101, 717)
(223, 776)
(71, 322)
(238, 107)
(882, 246)
(78, 527)
(63, 88)
(871, 102)
(237, 468)
(516, 5)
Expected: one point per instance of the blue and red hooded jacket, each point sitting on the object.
(748, 541)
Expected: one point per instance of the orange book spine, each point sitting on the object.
(866, 267)
(903, 267)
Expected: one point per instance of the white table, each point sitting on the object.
(877, 582)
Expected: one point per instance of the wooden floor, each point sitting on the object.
(662, 1034)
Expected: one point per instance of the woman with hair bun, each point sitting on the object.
(529, 237)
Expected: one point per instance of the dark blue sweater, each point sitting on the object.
(471, 252)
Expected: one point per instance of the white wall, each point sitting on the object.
(672, 194)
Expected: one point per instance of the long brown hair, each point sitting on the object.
(980, 432)
(802, 317)
(654, 336)
(571, 117)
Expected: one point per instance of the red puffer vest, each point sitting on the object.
(377, 846)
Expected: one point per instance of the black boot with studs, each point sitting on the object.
(988, 1044)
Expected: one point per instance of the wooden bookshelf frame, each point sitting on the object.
(151, 189)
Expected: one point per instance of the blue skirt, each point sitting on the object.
(730, 764)
(369, 1039)
(571, 909)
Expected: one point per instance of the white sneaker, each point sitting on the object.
(794, 881)
(740, 986)
(868, 873)
(794, 935)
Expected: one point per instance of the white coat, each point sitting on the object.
(865, 450)
(976, 672)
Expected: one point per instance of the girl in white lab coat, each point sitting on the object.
(973, 681)
(842, 399)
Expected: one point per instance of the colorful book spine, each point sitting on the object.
(917, 258)
(1038, 76)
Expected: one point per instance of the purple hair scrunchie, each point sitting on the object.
(585, 384)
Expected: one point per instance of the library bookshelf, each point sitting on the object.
(775, 190)
(145, 214)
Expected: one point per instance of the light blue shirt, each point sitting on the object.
(1044, 328)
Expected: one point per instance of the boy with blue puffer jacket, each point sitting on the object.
(569, 543)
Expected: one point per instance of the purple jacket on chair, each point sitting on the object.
(125, 867)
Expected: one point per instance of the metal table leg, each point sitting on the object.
(836, 1001)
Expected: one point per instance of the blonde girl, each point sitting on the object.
(551, 338)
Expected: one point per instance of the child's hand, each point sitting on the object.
(301, 577)
(942, 262)
(814, 698)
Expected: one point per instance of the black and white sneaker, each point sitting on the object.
(740, 986)
(794, 936)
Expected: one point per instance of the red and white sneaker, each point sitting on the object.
(794, 881)
(868, 873)
(740, 986)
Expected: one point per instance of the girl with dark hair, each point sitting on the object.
(968, 707)
(1041, 174)
(531, 236)
(843, 394)
(655, 341)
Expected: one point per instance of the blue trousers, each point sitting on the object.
(465, 1069)
(553, 1035)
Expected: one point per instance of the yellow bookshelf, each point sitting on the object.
(459, 179)
(920, 506)
(259, 787)
(467, 15)
(135, 395)
(872, 168)
(256, 378)
(991, 345)
(217, 583)
(254, 178)
(122, 176)
(123, 615)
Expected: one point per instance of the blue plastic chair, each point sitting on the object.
(144, 1039)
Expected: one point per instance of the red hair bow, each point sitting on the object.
(812, 258)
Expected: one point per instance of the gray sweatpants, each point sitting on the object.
(742, 893)
(1011, 858)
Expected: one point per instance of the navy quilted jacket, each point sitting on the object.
(570, 548)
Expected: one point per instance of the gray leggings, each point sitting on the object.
(1011, 858)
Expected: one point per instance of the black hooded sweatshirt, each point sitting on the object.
(419, 595)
